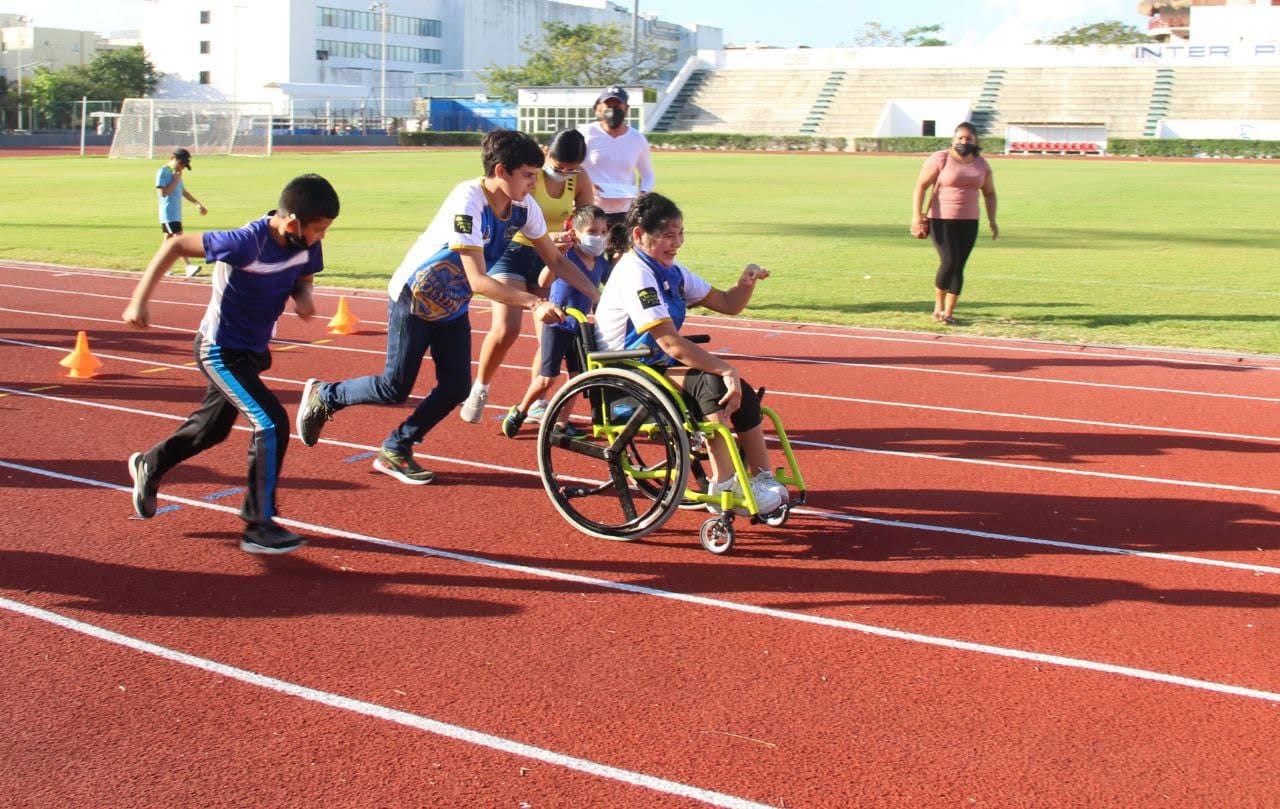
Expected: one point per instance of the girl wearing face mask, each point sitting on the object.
(561, 187)
(590, 236)
(956, 176)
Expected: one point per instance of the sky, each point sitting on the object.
(817, 23)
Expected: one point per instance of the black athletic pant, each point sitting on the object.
(234, 388)
(954, 240)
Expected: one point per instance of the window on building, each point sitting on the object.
(204, 46)
(204, 77)
(204, 18)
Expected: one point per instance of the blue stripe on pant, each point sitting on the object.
(234, 388)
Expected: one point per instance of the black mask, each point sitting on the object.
(613, 116)
(966, 149)
(296, 242)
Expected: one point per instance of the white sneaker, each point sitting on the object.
(473, 408)
(764, 479)
(193, 270)
(536, 410)
(714, 489)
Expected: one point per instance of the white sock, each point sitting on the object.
(479, 387)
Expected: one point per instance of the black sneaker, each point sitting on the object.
(403, 468)
(312, 413)
(144, 486)
(512, 421)
(270, 538)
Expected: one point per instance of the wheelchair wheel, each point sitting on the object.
(716, 535)
(627, 482)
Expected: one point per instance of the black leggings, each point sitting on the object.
(954, 240)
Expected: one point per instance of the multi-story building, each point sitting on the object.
(396, 51)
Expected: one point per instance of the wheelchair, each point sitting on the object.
(630, 472)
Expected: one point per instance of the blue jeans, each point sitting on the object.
(408, 340)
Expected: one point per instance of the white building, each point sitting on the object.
(281, 50)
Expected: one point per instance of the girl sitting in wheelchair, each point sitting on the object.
(644, 305)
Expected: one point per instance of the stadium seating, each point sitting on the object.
(768, 102)
(1226, 93)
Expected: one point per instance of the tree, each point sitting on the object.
(875, 34)
(111, 76)
(1110, 32)
(124, 73)
(576, 56)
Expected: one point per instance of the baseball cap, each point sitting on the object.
(183, 156)
(613, 91)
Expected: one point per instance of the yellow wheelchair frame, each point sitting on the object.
(643, 434)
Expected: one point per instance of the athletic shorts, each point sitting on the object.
(519, 262)
(703, 392)
(171, 228)
(559, 345)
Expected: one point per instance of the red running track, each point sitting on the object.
(1029, 574)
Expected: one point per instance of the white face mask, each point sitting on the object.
(591, 243)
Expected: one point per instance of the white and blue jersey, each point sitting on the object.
(170, 206)
(640, 295)
(432, 268)
(564, 295)
(253, 277)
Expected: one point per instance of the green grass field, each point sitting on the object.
(1139, 253)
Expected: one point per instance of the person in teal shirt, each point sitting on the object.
(171, 191)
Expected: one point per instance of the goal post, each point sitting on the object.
(150, 127)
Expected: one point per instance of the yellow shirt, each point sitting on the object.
(554, 209)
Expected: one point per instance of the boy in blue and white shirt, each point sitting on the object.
(429, 297)
(257, 269)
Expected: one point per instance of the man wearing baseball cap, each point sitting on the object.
(617, 156)
(171, 191)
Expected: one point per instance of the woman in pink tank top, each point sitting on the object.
(951, 219)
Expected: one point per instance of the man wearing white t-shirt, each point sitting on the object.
(616, 155)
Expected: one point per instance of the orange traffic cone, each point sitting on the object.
(343, 322)
(80, 361)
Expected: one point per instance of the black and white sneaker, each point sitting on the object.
(145, 486)
(270, 538)
(312, 413)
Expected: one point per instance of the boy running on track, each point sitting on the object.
(429, 297)
(257, 269)
(561, 187)
(589, 228)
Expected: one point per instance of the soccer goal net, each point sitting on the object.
(150, 127)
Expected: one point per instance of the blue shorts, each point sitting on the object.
(559, 344)
(519, 262)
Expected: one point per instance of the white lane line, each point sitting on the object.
(818, 513)
(714, 603)
(1004, 377)
(376, 711)
(805, 329)
(1150, 354)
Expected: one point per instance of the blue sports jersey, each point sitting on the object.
(253, 277)
(672, 294)
(564, 295)
(432, 268)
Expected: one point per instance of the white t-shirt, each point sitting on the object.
(637, 295)
(613, 164)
